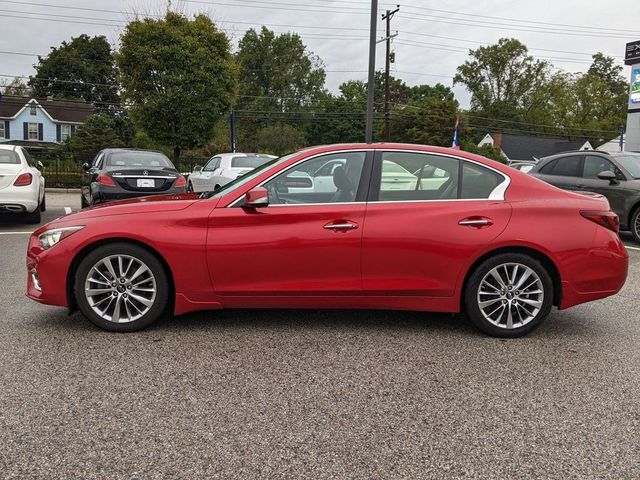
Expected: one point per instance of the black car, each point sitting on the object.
(614, 175)
(119, 173)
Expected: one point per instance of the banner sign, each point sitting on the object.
(634, 97)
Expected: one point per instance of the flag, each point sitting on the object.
(456, 143)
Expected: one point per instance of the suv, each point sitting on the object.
(614, 175)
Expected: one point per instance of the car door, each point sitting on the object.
(562, 172)
(205, 181)
(615, 191)
(90, 176)
(300, 244)
(416, 240)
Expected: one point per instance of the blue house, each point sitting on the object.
(39, 122)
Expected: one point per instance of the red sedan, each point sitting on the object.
(386, 226)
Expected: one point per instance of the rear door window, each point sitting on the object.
(566, 166)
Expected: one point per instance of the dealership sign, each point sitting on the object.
(632, 53)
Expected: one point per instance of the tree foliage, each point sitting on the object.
(179, 75)
(98, 132)
(81, 69)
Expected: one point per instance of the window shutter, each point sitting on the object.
(7, 129)
(58, 133)
(73, 129)
(40, 132)
(25, 127)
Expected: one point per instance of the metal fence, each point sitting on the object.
(67, 173)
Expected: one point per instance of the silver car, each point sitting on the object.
(224, 168)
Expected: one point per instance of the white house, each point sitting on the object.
(37, 122)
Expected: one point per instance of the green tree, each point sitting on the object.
(98, 132)
(487, 151)
(502, 79)
(279, 139)
(80, 69)
(180, 76)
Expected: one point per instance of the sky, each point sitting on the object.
(434, 37)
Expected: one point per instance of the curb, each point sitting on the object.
(62, 190)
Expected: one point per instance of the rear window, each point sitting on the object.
(9, 157)
(249, 162)
(119, 160)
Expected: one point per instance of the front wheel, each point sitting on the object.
(509, 295)
(121, 287)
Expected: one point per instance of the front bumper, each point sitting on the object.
(47, 273)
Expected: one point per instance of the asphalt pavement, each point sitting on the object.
(314, 394)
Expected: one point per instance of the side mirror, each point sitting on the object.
(40, 165)
(256, 198)
(197, 169)
(608, 175)
(85, 167)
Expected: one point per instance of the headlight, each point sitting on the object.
(50, 238)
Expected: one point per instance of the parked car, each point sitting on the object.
(224, 168)
(500, 245)
(614, 175)
(21, 183)
(121, 173)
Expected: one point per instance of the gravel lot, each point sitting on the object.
(315, 394)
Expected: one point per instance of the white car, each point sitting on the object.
(224, 168)
(21, 183)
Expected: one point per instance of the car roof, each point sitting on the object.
(5, 146)
(116, 150)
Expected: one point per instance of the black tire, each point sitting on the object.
(216, 188)
(160, 306)
(33, 217)
(83, 202)
(635, 225)
(43, 204)
(189, 187)
(471, 296)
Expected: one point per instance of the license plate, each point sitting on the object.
(146, 183)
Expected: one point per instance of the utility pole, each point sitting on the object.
(372, 70)
(232, 128)
(387, 116)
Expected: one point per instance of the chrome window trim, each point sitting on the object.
(115, 175)
(496, 195)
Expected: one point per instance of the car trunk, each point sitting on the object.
(239, 171)
(144, 180)
(8, 174)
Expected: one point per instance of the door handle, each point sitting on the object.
(341, 225)
(580, 185)
(477, 222)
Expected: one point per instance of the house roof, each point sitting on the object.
(525, 147)
(57, 110)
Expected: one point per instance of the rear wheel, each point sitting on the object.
(35, 216)
(121, 287)
(83, 202)
(43, 204)
(189, 187)
(509, 295)
(635, 225)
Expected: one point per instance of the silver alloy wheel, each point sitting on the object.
(120, 288)
(510, 295)
(636, 226)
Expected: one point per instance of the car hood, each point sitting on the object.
(150, 204)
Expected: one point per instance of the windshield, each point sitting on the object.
(631, 163)
(248, 162)
(238, 182)
(133, 159)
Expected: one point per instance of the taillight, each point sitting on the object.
(23, 180)
(606, 219)
(106, 180)
(180, 182)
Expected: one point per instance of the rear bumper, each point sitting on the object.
(602, 273)
(20, 199)
(111, 194)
